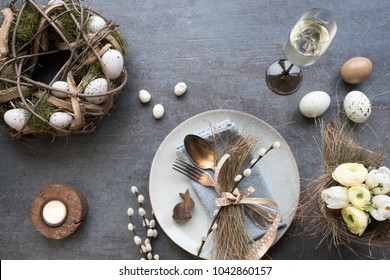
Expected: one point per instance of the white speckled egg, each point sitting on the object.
(144, 96)
(55, 2)
(357, 106)
(158, 111)
(97, 86)
(61, 85)
(16, 118)
(180, 89)
(113, 61)
(61, 119)
(95, 24)
(314, 104)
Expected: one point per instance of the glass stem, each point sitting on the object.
(286, 72)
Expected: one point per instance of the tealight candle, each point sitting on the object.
(54, 213)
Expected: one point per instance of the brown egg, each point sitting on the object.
(356, 70)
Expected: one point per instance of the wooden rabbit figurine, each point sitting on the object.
(182, 210)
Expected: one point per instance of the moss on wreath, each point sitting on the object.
(27, 28)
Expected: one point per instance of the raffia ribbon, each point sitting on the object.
(260, 247)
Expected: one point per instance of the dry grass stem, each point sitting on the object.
(338, 146)
(231, 239)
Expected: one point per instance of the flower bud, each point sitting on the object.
(149, 233)
(350, 174)
(360, 197)
(237, 178)
(152, 224)
(381, 211)
(156, 257)
(148, 247)
(253, 161)
(276, 145)
(356, 219)
(141, 211)
(262, 152)
(335, 197)
(130, 227)
(141, 199)
(130, 212)
(378, 180)
(137, 240)
(247, 172)
(134, 189)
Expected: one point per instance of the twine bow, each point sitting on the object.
(227, 198)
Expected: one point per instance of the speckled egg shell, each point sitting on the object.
(180, 89)
(314, 104)
(16, 118)
(357, 106)
(158, 111)
(61, 85)
(356, 70)
(95, 24)
(113, 61)
(61, 119)
(98, 86)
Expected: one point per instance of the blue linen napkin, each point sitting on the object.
(207, 195)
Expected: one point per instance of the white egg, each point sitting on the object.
(95, 24)
(357, 106)
(97, 86)
(158, 111)
(314, 104)
(180, 89)
(16, 118)
(61, 85)
(55, 2)
(144, 96)
(113, 61)
(61, 119)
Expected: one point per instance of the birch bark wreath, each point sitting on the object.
(80, 91)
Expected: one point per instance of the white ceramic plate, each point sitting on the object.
(278, 168)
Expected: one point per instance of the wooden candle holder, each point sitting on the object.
(75, 203)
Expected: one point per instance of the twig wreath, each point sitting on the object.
(81, 91)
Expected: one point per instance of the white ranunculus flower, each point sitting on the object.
(382, 207)
(335, 197)
(350, 174)
(378, 180)
(360, 197)
(356, 219)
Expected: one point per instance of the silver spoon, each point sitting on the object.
(200, 151)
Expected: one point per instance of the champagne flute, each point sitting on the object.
(307, 41)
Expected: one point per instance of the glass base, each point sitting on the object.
(280, 82)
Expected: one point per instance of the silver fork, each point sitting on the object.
(194, 173)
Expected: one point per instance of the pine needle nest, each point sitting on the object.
(33, 38)
(339, 146)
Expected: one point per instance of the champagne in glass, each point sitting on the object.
(308, 40)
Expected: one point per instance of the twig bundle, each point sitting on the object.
(338, 146)
(32, 33)
(231, 239)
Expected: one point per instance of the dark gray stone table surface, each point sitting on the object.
(221, 49)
